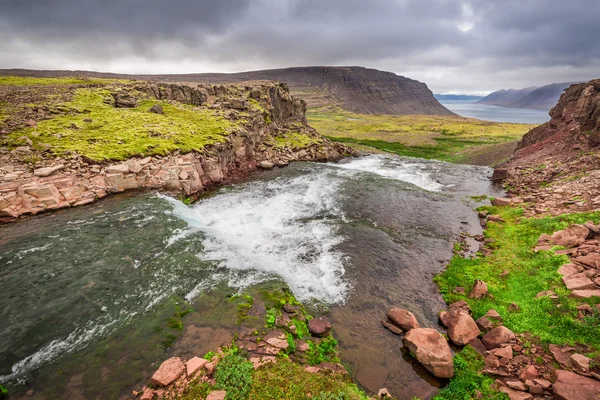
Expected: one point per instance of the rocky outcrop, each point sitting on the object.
(55, 183)
(357, 89)
(555, 168)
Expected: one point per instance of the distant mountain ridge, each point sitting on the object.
(357, 89)
(537, 98)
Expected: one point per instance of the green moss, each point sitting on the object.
(286, 380)
(295, 141)
(234, 374)
(467, 381)
(95, 129)
(29, 81)
(529, 274)
(3, 393)
(324, 351)
(208, 356)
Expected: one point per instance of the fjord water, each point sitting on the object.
(488, 112)
(355, 237)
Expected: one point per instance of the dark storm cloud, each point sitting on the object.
(450, 44)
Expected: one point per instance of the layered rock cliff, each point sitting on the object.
(357, 89)
(556, 167)
(265, 127)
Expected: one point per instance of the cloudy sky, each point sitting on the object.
(464, 46)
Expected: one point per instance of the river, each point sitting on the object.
(82, 288)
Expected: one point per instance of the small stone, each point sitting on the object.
(528, 373)
(515, 394)
(217, 395)
(383, 393)
(484, 324)
(491, 361)
(543, 383)
(514, 307)
(156, 109)
(319, 327)
(47, 171)
(393, 328)
(148, 394)
(493, 315)
(516, 385)
(479, 291)
(497, 337)
(266, 165)
(194, 364)
(500, 202)
(581, 362)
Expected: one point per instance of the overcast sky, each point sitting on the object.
(463, 46)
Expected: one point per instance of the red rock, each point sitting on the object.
(478, 346)
(217, 395)
(580, 362)
(492, 362)
(479, 291)
(515, 394)
(319, 327)
(528, 373)
(497, 337)
(383, 393)
(484, 324)
(495, 218)
(592, 260)
(277, 339)
(569, 269)
(392, 328)
(516, 385)
(461, 328)
(210, 367)
(148, 394)
(585, 294)
(571, 386)
(168, 372)
(505, 351)
(500, 202)
(431, 350)
(493, 315)
(194, 364)
(443, 318)
(578, 282)
(402, 318)
(543, 383)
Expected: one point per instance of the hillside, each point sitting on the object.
(356, 89)
(537, 98)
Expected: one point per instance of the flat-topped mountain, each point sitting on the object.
(537, 98)
(357, 89)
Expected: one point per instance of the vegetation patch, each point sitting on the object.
(286, 380)
(234, 374)
(553, 321)
(92, 127)
(452, 139)
(322, 351)
(468, 382)
(30, 81)
(295, 141)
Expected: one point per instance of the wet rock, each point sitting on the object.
(217, 395)
(571, 386)
(500, 174)
(319, 327)
(498, 336)
(461, 327)
(479, 291)
(500, 202)
(402, 318)
(168, 372)
(266, 165)
(431, 350)
(392, 328)
(47, 171)
(156, 109)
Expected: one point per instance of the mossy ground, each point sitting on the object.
(295, 141)
(452, 139)
(93, 128)
(529, 274)
(30, 81)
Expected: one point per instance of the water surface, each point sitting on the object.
(354, 238)
(470, 109)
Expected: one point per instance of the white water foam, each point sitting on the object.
(399, 169)
(279, 228)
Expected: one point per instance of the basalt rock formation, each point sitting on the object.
(357, 89)
(269, 129)
(556, 167)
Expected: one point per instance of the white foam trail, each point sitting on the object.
(281, 227)
(396, 168)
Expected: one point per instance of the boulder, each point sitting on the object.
(402, 318)
(156, 109)
(479, 291)
(47, 171)
(578, 282)
(571, 386)
(500, 202)
(431, 350)
(461, 328)
(580, 362)
(168, 372)
(266, 165)
(319, 327)
(573, 236)
(194, 365)
(484, 324)
(592, 260)
(499, 174)
(498, 336)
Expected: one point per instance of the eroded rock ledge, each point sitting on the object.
(265, 117)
